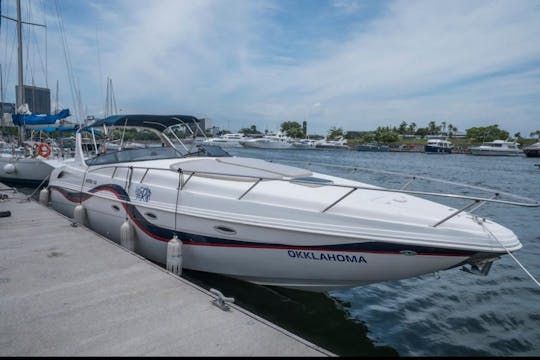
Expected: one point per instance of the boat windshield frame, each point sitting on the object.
(168, 149)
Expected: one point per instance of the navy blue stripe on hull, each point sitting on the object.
(164, 234)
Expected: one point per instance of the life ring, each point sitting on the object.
(44, 150)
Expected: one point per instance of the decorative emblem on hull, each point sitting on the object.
(143, 193)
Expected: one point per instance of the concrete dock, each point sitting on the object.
(66, 291)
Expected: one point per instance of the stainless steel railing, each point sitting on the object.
(476, 201)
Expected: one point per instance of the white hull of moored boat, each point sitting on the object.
(283, 246)
(24, 171)
(490, 152)
(264, 255)
(265, 222)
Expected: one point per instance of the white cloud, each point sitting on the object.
(416, 61)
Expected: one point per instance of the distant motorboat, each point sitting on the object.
(29, 165)
(438, 146)
(532, 150)
(306, 144)
(372, 147)
(227, 140)
(497, 148)
(273, 141)
(337, 144)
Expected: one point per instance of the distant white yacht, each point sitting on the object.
(497, 147)
(227, 140)
(272, 141)
(337, 144)
(305, 144)
(438, 146)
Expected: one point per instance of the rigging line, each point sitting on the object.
(69, 67)
(100, 79)
(9, 58)
(442, 181)
(508, 251)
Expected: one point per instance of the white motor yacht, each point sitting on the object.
(305, 144)
(438, 146)
(227, 140)
(272, 141)
(497, 148)
(269, 223)
(532, 150)
(336, 144)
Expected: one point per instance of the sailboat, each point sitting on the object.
(29, 163)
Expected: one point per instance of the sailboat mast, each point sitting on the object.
(20, 91)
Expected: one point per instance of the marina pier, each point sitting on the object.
(66, 291)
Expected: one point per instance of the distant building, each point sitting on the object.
(205, 125)
(38, 99)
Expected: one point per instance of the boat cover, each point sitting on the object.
(39, 119)
(247, 168)
(156, 122)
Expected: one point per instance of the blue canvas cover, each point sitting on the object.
(39, 119)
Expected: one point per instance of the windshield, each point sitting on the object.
(154, 153)
(129, 155)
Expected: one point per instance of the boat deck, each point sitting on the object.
(66, 291)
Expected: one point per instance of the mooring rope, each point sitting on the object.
(38, 187)
(481, 222)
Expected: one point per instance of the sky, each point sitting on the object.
(344, 63)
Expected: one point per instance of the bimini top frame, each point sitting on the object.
(155, 123)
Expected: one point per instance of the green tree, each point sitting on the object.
(292, 129)
(335, 133)
(385, 135)
(535, 133)
(452, 130)
(412, 128)
(402, 128)
(252, 130)
(367, 138)
(433, 128)
(422, 132)
(487, 133)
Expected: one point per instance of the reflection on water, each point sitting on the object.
(453, 313)
(317, 317)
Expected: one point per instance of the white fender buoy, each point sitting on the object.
(10, 168)
(79, 214)
(44, 197)
(174, 256)
(127, 235)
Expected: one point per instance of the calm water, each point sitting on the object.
(449, 313)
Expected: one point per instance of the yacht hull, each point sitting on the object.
(495, 152)
(275, 145)
(437, 150)
(24, 171)
(260, 254)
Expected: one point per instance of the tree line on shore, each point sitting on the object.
(383, 134)
(393, 134)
